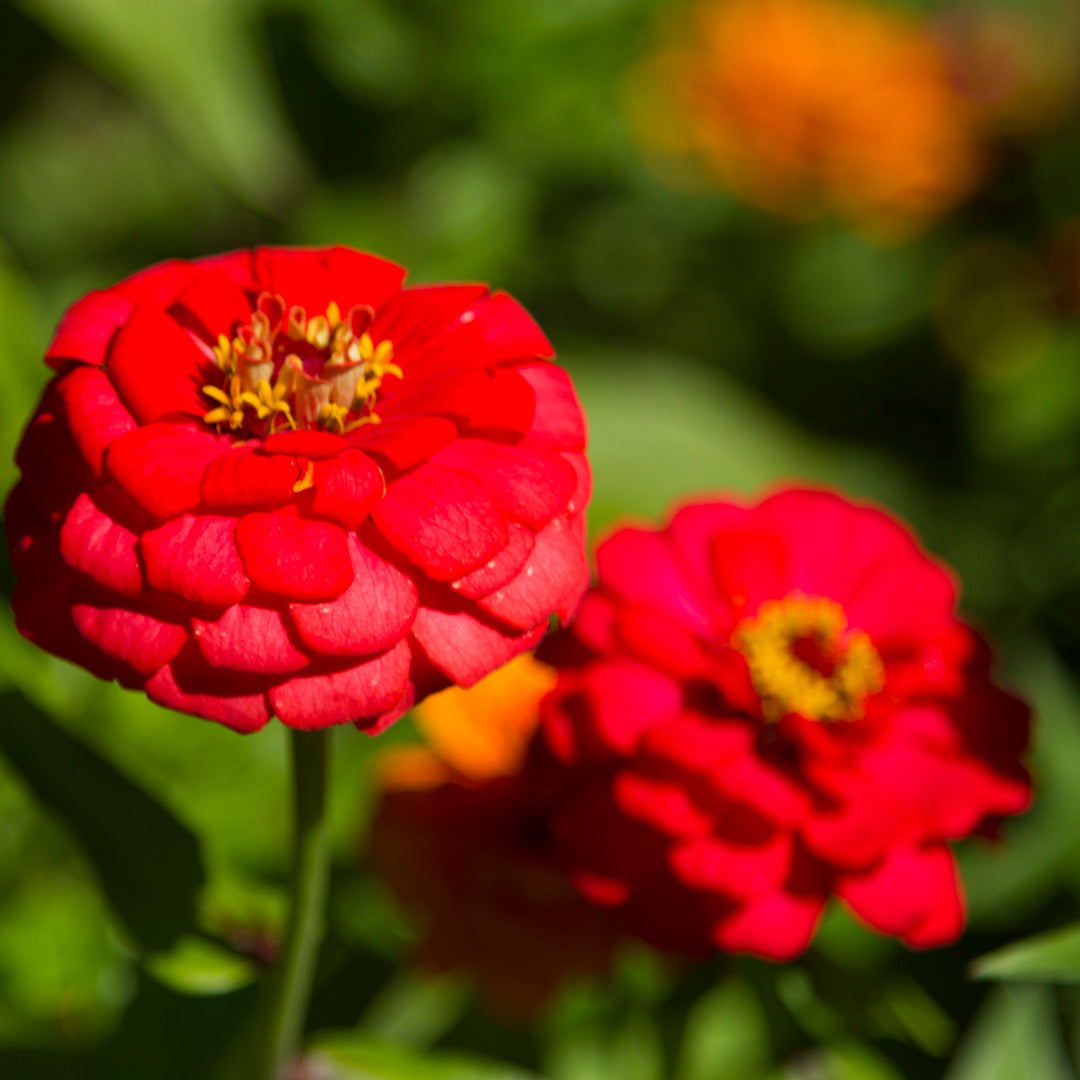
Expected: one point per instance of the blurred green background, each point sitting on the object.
(715, 348)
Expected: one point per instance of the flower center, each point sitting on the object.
(804, 660)
(285, 370)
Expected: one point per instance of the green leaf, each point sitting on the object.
(1016, 1036)
(357, 1057)
(197, 66)
(1051, 957)
(149, 864)
(414, 1010)
(198, 966)
(726, 1035)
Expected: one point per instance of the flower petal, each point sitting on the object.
(87, 328)
(551, 582)
(95, 544)
(374, 612)
(249, 639)
(529, 485)
(442, 521)
(368, 689)
(161, 466)
(158, 369)
(290, 556)
(466, 649)
(195, 557)
(95, 415)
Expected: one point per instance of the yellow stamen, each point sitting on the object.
(804, 660)
(307, 480)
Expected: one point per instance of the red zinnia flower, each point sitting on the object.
(768, 705)
(278, 482)
(462, 836)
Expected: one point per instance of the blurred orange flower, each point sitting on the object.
(810, 106)
(462, 838)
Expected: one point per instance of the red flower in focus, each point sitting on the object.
(462, 837)
(768, 705)
(278, 482)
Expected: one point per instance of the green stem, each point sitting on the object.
(289, 990)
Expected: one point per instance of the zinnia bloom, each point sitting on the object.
(278, 482)
(769, 705)
(803, 106)
(462, 837)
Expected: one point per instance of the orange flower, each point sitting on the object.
(462, 837)
(805, 106)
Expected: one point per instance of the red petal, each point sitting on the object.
(245, 477)
(779, 926)
(309, 444)
(161, 466)
(158, 285)
(442, 521)
(158, 369)
(87, 327)
(366, 690)
(466, 649)
(750, 566)
(237, 264)
(558, 418)
(346, 489)
(95, 544)
(289, 556)
(250, 639)
(41, 603)
(527, 485)
(500, 570)
(313, 277)
(639, 566)
(214, 304)
(241, 712)
(551, 582)
(406, 442)
(737, 870)
(510, 331)
(910, 888)
(418, 314)
(137, 638)
(374, 613)
(94, 413)
(195, 557)
(54, 472)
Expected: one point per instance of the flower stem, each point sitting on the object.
(289, 990)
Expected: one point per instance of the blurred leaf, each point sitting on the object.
(415, 1010)
(197, 65)
(198, 966)
(726, 1036)
(1016, 1036)
(149, 864)
(847, 295)
(907, 1011)
(631, 1049)
(356, 1057)
(1051, 957)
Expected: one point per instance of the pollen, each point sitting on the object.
(803, 659)
(285, 369)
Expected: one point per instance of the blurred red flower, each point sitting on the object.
(278, 482)
(462, 837)
(767, 705)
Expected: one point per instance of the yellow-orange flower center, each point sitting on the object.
(286, 370)
(803, 659)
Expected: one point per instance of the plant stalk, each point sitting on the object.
(281, 1021)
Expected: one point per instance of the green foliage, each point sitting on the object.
(149, 865)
